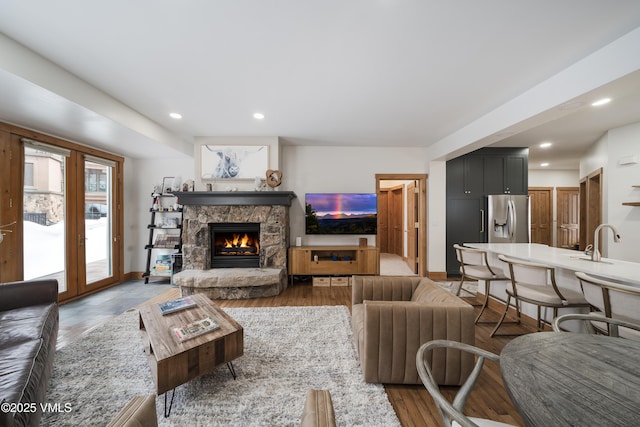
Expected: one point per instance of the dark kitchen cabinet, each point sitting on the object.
(516, 174)
(472, 177)
(464, 177)
(505, 173)
(467, 214)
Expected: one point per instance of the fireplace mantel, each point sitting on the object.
(234, 198)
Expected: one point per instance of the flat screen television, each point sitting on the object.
(341, 213)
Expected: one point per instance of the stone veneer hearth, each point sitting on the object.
(269, 209)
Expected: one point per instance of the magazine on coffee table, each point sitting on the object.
(195, 329)
(176, 305)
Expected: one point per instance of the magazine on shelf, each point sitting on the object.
(176, 305)
(195, 329)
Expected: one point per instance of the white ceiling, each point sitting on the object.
(332, 72)
(583, 125)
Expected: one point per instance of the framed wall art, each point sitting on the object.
(234, 161)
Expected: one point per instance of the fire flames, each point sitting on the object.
(240, 242)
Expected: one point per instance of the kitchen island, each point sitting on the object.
(566, 259)
(566, 262)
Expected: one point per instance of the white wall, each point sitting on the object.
(315, 169)
(140, 176)
(553, 178)
(619, 180)
(132, 203)
(596, 157)
(437, 217)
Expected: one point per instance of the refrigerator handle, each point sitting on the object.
(512, 219)
(482, 220)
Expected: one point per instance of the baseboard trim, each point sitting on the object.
(133, 275)
(437, 275)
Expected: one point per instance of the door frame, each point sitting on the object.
(412, 232)
(12, 185)
(422, 213)
(590, 207)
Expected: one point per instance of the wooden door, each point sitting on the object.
(421, 179)
(383, 220)
(568, 216)
(583, 214)
(541, 215)
(396, 220)
(11, 255)
(412, 226)
(590, 207)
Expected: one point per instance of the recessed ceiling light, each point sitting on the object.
(600, 102)
(258, 116)
(176, 116)
(546, 145)
(544, 165)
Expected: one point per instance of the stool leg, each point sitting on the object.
(460, 286)
(517, 310)
(487, 284)
(504, 314)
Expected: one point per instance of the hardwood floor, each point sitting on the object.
(412, 404)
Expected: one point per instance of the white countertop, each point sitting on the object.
(616, 270)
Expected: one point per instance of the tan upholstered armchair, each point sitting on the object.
(393, 316)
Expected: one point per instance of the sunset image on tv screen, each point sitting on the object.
(341, 213)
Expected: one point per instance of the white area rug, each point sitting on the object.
(288, 350)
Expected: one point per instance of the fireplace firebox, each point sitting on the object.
(235, 245)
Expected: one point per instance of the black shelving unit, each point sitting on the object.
(170, 244)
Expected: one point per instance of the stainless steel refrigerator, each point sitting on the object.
(508, 219)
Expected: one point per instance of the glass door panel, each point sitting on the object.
(72, 217)
(98, 220)
(44, 202)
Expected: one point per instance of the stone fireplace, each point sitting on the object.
(209, 261)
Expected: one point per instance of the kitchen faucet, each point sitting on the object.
(595, 255)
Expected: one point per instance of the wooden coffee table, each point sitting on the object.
(173, 363)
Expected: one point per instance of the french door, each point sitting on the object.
(71, 217)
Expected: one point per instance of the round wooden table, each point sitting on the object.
(563, 379)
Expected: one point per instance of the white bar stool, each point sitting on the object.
(474, 265)
(613, 300)
(536, 284)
